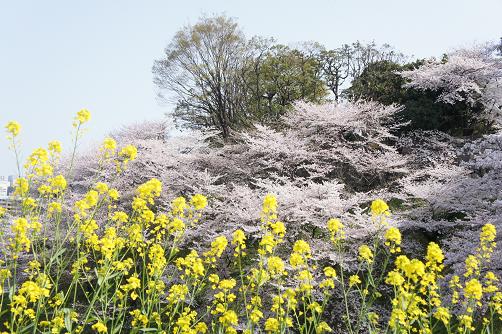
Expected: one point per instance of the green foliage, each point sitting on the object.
(220, 80)
(381, 82)
(281, 77)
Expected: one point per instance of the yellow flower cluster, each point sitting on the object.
(487, 241)
(126, 154)
(124, 271)
(274, 229)
(13, 128)
(198, 201)
(54, 186)
(29, 294)
(227, 318)
(416, 285)
(55, 147)
(379, 207)
(21, 229)
(336, 230)
(191, 266)
(365, 254)
(301, 254)
(149, 190)
(239, 242)
(218, 246)
(83, 116)
(108, 147)
(380, 211)
(100, 327)
(393, 239)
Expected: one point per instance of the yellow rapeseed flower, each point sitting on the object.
(177, 293)
(58, 184)
(128, 153)
(488, 233)
(139, 318)
(101, 187)
(471, 266)
(272, 325)
(227, 284)
(394, 278)
(37, 157)
(365, 254)
(178, 206)
(191, 265)
(335, 227)
(120, 216)
(109, 144)
(269, 204)
(13, 128)
(55, 146)
(21, 186)
(157, 260)
(54, 207)
(108, 147)
(296, 260)
(278, 229)
(442, 314)
(267, 244)
(473, 289)
(379, 207)
(301, 247)
(393, 239)
(239, 241)
(218, 246)
(150, 190)
(465, 323)
(255, 316)
(330, 272)
(323, 327)
(20, 229)
(434, 254)
(198, 201)
(229, 318)
(275, 266)
(414, 269)
(113, 194)
(487, 241)
(82, 117)
(354, 279)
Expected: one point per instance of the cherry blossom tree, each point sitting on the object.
(327, 161)
(470, 75)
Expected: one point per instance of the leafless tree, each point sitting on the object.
(336, 68)
(201, 71)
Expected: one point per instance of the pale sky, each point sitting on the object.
(57, 57)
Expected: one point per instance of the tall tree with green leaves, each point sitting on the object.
(285, 75)
(253, 75)
(218, 79)
(381, 82)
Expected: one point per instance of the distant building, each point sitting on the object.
(8, 201)
(4, 187)
(11, 179)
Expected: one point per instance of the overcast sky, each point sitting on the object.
(57, 57)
